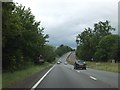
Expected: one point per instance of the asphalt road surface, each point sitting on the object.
(64, 76)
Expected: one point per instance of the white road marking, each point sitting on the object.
(41, 78)
(92, 77)
(78, 71)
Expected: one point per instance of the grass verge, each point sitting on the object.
(106, 66)
(10, 78)
(69, 60)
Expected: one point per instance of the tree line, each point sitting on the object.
(23, 38)
(98, 44)
(62, 49)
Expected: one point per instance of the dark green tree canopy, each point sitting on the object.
(62, 49)
(108, 48)
(88, 41)
(23, 36)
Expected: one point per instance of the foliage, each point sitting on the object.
(88, 42)
(62, 49)
(106, 66)
(49, 53)
(108, 48)
(23, 37)
(9, 79)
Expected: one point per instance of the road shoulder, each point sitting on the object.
(31, 80)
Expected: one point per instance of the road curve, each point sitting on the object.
(64, 76)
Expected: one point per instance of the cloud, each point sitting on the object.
(64, 19)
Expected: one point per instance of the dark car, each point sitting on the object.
(80, 64)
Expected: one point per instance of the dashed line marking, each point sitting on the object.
(93, 78)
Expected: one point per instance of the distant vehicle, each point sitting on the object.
(80, 64)
(58, 62)
(65, 63)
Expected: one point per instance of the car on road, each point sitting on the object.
(80, 64)
(58, 62)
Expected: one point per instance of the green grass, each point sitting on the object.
(10, 78)
(106, 66)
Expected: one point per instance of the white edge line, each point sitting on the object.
(42, 78)
(93, 78)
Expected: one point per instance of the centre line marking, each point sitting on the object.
(41, 79)
(92, 77)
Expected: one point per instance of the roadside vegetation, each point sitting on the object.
(106, 66)
(99, 45)
(23, 40)
(62, 49)
(17, 76)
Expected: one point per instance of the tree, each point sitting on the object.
(23, 37)
(62, 49)
(102, 29)
(84, 49)
(88, 40)
(49, 53)
(108, 48)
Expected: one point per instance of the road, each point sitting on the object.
(64, 76)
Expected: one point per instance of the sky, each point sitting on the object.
(63, 20)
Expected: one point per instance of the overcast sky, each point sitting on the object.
(64, 19)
